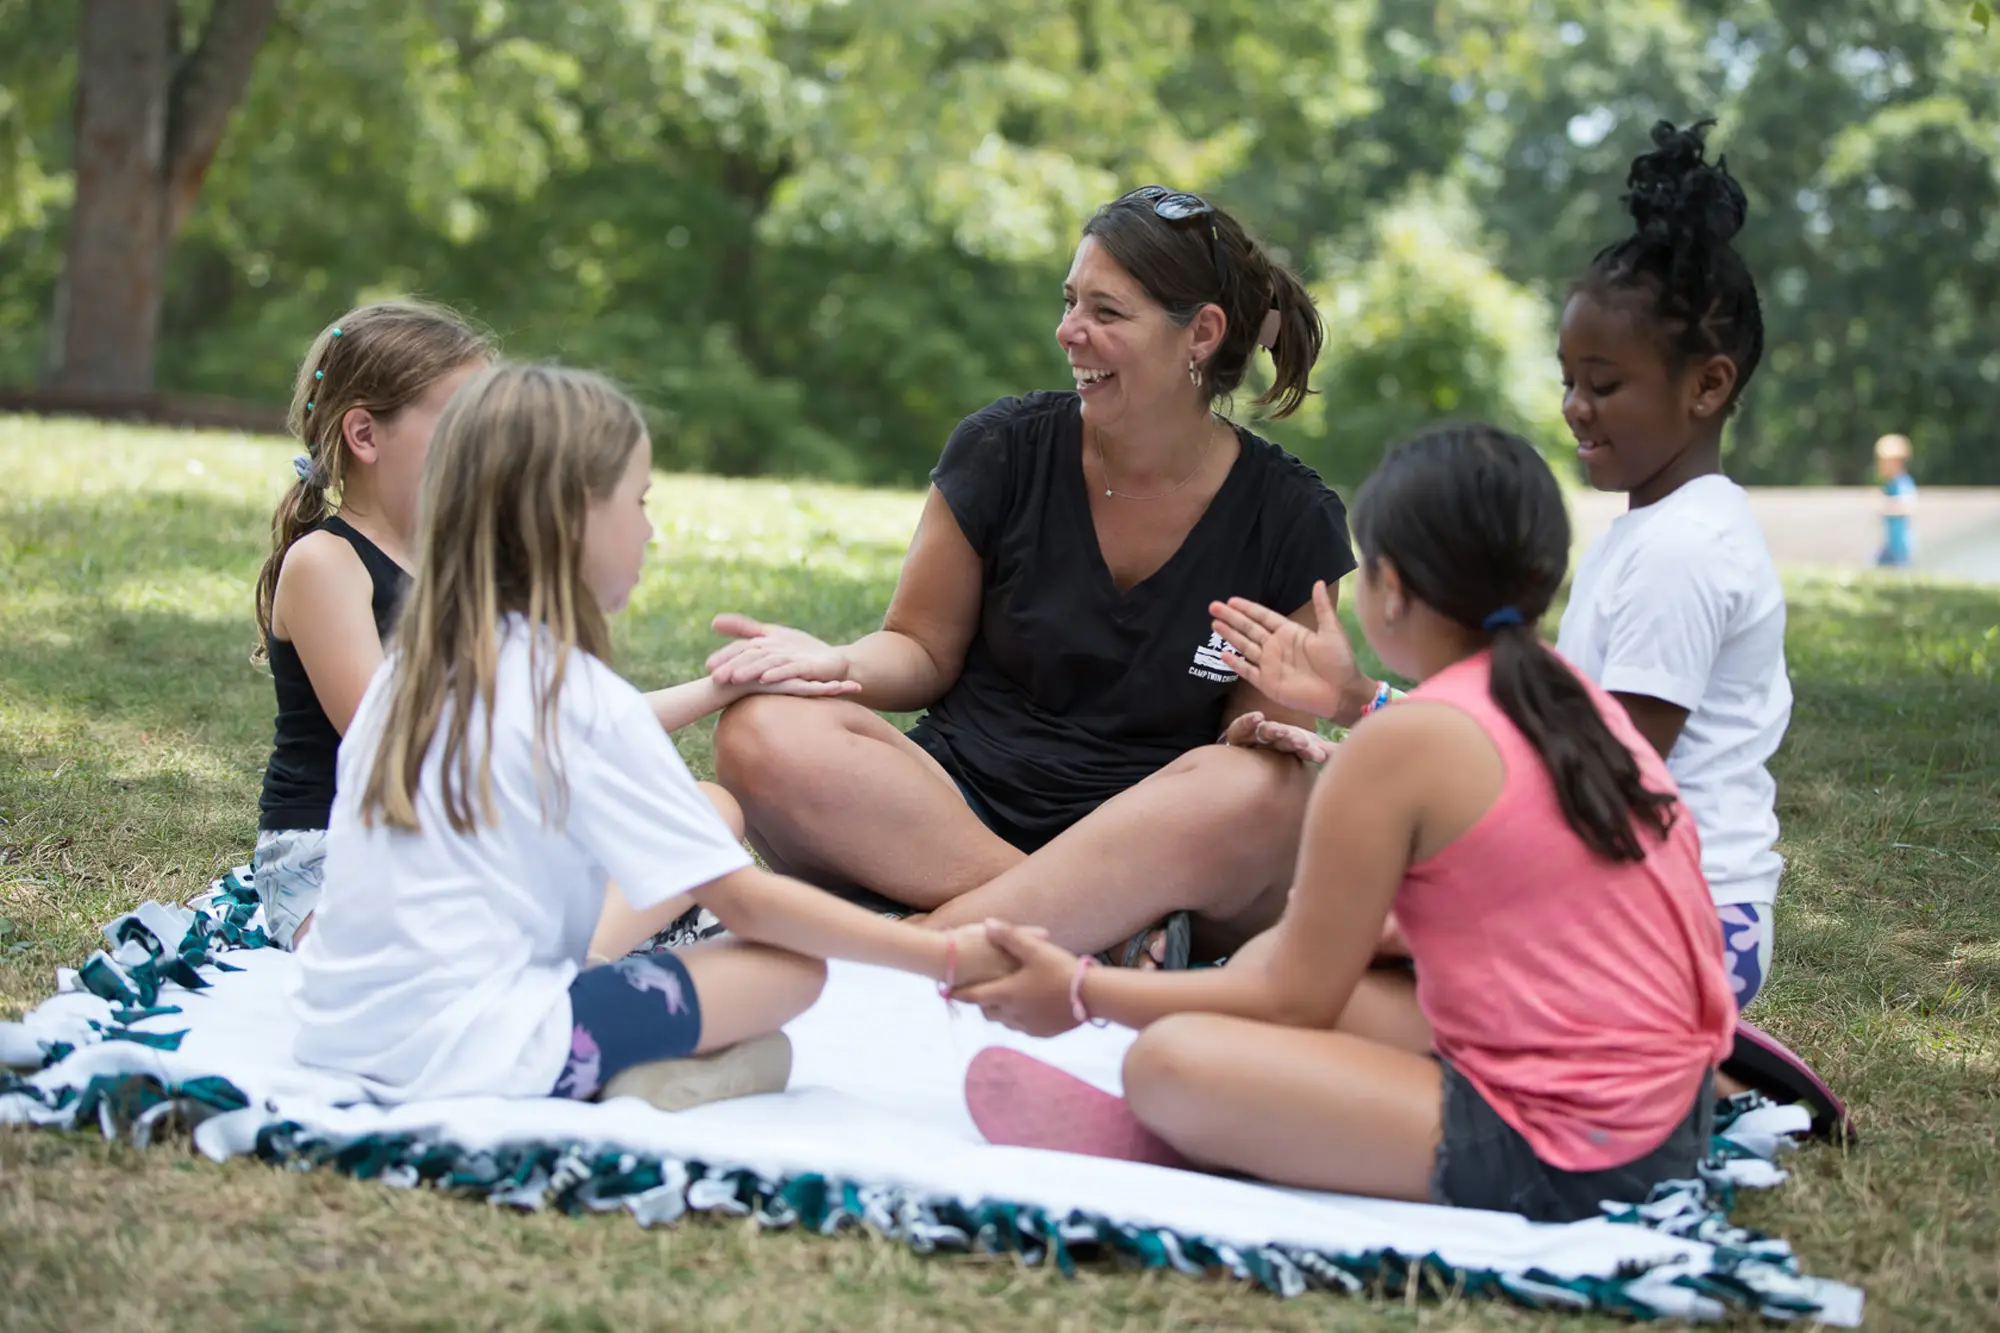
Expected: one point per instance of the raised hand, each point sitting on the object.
(770, 655)
(1254, 729)
(1312, 670)
(1034, 997)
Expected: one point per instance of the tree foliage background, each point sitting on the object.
(811, 234)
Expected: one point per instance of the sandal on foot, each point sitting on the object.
(761, 1064)
(693, 926)
(1019, 1102)
(1176, 936)
(1763, 1064)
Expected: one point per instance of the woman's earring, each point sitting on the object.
(1194, 372)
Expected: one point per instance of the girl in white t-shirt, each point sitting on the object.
(498, 775)
(1677, 610)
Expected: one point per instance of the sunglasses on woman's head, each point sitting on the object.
(1179, 206)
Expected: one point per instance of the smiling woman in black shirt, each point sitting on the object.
(1052, 618)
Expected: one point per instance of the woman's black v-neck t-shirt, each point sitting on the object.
(1073, 691)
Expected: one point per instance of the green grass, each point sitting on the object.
(132, 734)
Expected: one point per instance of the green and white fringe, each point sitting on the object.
(1750, 1272)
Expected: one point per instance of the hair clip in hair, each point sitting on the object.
(319, 374)
(336, 333)
(303, 465)
(1500, 619)
(1267, 336)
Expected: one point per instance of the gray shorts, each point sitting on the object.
(288, 869)
(1484, 1162)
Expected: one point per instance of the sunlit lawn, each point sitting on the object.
(132, 733)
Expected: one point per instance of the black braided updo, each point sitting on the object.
(1677, 268)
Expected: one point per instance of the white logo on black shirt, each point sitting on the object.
(1209, 663)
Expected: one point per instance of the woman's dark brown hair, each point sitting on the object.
(1172, 260)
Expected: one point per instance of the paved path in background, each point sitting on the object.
(1837, 527)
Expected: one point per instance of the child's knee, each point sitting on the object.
(1162, 1058)
(726, 807)
(811, 978)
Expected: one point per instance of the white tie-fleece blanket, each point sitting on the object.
(873, 1131)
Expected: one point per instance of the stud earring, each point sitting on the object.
(1194, 372)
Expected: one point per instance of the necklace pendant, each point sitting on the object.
(1107, 492)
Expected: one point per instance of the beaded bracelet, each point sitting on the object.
(1083, 964)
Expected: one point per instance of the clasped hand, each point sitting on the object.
(1031, 991)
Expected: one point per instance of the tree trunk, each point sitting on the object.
(750, 184)
(148, 121)
(111, 275)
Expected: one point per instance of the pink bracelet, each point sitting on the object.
(950, 966)
(1083, 965)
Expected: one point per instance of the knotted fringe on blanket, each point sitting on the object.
(158, 951)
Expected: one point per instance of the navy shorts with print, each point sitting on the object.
(1484, 1162)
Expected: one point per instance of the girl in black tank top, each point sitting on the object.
(365, 403)
(298, 779)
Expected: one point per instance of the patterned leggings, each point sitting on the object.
(631, 1012)
(1746, 948)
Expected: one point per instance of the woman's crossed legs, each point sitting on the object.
(834, 794)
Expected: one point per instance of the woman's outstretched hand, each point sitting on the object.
(771, 655)
(1312, 670)
(1253, 729)
(1034, 997)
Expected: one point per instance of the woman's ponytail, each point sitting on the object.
(1300, 337)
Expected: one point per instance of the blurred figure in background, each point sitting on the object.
(1899, 501)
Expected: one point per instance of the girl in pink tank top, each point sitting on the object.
(1555, 1047)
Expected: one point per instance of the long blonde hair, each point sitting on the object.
(518, 455)
(380, 357)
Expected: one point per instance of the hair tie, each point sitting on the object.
(1500, 619)
(303, 465)
(1267, 336)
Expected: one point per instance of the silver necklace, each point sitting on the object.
(1097, 443)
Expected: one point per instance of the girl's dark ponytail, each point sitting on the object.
(1596, 778)
(1473, 521)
